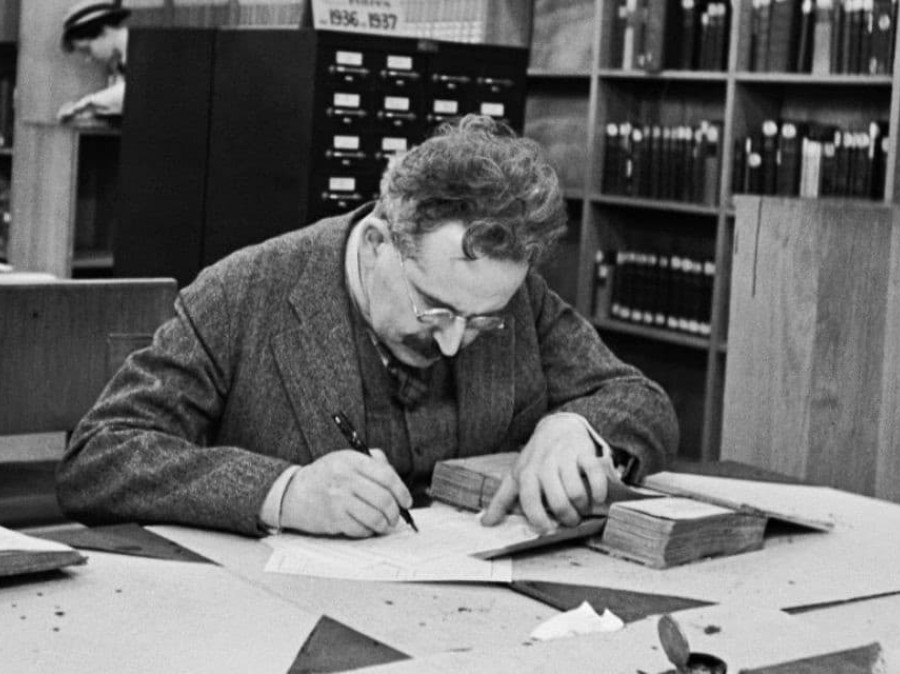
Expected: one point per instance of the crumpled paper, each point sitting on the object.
(581, 620)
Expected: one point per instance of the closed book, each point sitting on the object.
(783, 34)
(617, 35)
(853, 11)
(790, 139)
(828, 172)
(638, 162)
(24, 554)
(721, 17)
(838, 24)
(656, 160)
(882, 38)
(470, 482)
(711, 160)
(625, 159)
(611, 159)
(762, 39)
(656, 34)
(803, 58)
(688, 35)
(842, 148)
(633, 40)
(670, 531)
(604, 269)
(754, 178)
(739, 167)
(822, 39)
(769, 156)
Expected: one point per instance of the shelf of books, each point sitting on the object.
(687, 103)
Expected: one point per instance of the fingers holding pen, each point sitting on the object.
(345, 492)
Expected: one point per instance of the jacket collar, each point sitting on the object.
(319, 365)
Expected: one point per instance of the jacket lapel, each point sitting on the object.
(317, 359)
(485, 391)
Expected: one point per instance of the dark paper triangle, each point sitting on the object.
(126, 539)
(334, 647)
(629, 606)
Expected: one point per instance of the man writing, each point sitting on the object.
(422, 319)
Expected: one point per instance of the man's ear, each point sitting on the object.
(375, 234)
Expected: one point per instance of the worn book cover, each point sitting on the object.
(667, 532)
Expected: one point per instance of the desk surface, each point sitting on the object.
(122, 613)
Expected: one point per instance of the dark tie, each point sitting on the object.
(409, 385)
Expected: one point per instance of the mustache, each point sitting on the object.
(424, 346)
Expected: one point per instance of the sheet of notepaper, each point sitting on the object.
(441, 551)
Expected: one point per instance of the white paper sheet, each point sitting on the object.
(440, 551)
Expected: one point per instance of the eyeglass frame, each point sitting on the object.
(442, 317)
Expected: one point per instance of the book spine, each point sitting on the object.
(765, 8)
(782, 36)
(822, 38)
(803, 57)
(617, 35)
(789, 159)
(688, 35)
(769, 153)
(611, 159)
(883, 27)
(657, 15)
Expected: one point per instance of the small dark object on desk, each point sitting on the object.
(675, 644)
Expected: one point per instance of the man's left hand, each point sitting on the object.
(558, 476)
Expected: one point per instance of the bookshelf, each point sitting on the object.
(582, 79)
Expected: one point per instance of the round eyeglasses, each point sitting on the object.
(444, 318)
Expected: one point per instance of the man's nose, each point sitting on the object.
(449, 339)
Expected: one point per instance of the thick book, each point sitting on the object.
(688, 35)
(471, 482)
(783, 36)
(666, 532)
(823, 37)
(21, 554)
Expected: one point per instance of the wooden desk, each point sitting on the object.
(174, 616)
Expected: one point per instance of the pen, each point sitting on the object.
(345, 427)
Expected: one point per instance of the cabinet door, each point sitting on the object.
(813, 370)
(163, 164)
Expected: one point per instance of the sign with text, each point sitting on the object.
(383, 17)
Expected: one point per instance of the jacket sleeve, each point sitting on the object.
(628, 410)
(144, 453)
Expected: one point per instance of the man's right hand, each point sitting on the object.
(345, 492)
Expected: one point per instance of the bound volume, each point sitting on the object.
(21, 554)
(669, 531)
(471, 482)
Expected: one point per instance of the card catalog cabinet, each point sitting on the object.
(231, 137)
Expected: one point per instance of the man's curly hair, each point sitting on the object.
(477, 171)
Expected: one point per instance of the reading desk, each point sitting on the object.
(127, 613)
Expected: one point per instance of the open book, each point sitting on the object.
(20, 553)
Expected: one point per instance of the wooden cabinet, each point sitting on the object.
(580, 97)
(813, 386)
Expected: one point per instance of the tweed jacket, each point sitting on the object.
(241, 383)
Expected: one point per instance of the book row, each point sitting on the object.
(655, 34)
(679, 163)
(672, 292)
(823, 36)
(807, 159)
